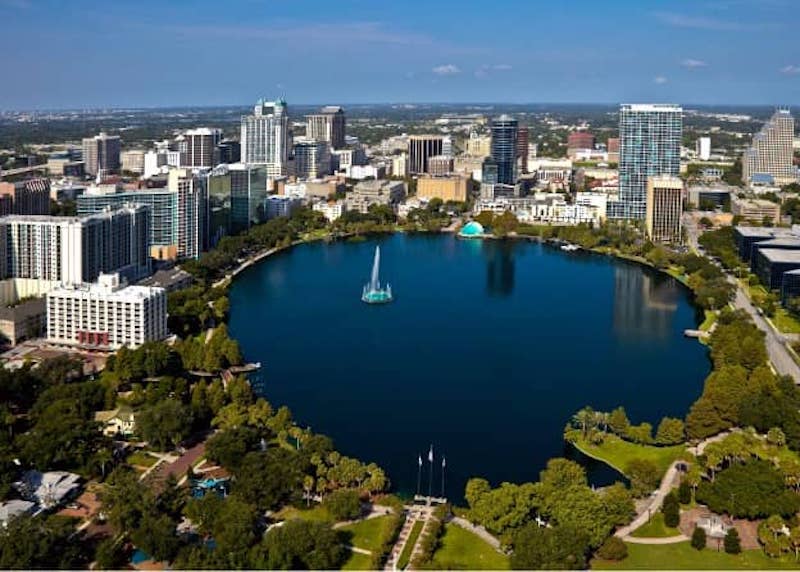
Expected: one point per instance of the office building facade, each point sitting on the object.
(265, 137)
(201, 145)
(101, 154)
(650, 144)
(664, 209)
(106, 315)
(312, 158)
(30, 197)
(328, 125)
(504, 148)
(420, 149)
(770, 154)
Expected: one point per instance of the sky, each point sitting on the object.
(59, 54)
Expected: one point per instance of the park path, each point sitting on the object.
(669, 481)
(477, 530)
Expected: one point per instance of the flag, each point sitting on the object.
(430, 455)
(420, 460)
(444, 463)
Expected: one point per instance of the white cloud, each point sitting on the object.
(694, 64)
(696, 22)
(446, 69)
(790, 70)
(660, 80)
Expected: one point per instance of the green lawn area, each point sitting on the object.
(462, 550)
(785, 322)
(618, 453)
(405, 555)
(369, 534)
(682, 556)
(315, 513)
(141, 459)
(655, 528)
(710, 318)
(358, 561)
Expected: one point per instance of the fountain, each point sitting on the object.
(372, 292)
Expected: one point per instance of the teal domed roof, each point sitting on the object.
(472, 228)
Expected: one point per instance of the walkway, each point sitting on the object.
(480, 531)
(667, 483)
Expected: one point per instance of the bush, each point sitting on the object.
(344, 504)
(698, 538)
(732, 543)
(613, 549)
(671, 510)
(380, 555)
(684, 493)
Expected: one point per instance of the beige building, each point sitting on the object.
(770, 154)
(664, 209)
(132, 161)
(756, 210)
(451, 188)
(479, 145)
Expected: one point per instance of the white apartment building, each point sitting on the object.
(703, 148)
(331, 210)
(265, 137)
(106, 315)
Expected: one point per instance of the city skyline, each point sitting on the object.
(152, 55)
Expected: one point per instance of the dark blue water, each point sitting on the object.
(486, 352)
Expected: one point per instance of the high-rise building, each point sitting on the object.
(43, 251)
(327, 125)
(770, 154)
(400, 165)
(132, 161)
(265, 137)
(504, 148)
(280, 205)
(703, 148)
(178, 214)
(101, 154)
(650, 144)
(201, 144)
(420, 149)
(523, 146)
(30, 197)
(106, 315)
(248, 191)
(450, 188)
(664, 209)
(479, 145)
(312, 158)
(227, 151)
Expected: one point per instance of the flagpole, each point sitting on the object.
(430, 475)
(419, 471)
(444, 464)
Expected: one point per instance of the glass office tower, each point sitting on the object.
(504, 148)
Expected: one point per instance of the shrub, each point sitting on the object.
(684, 493)
(671, 510)
(698, 538)
(732, 543)
(613, 549)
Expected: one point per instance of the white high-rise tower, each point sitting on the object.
(265, 137)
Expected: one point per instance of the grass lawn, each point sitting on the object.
(618, 453)
(358, 561)
(315, 513)
(141, 459)
(655, 528)
(462, 550)
(369, 534)
(710, 318)
(405, 555)
(785, 322)
(682, 556)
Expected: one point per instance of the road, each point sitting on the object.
(778, 353)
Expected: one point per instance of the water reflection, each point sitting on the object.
(499, 267)
(644, 303)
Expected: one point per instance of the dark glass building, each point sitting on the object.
(504, 148)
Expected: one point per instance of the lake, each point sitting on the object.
(487, 350)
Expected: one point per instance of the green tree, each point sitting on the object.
(343, 504)
(618, 504)
(644, 476)
(672, 510)
(733, 544)
(670, 431)
(618, 421)
(613, 549)
(684, 492)
(703, 420)
(300, 544)
(164, 424)
(698, 538)
(155, 535)
(557, 548)
(28, 543)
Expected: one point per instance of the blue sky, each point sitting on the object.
(89, 53)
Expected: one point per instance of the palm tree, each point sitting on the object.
(585, 418)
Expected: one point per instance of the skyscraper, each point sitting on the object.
(101, 154)
(200, 146)
(420, 149)
(770, 153)
(312, 158)
(327, 125)
(523, 146)
(650, 144)
(504, 148)
(265, 137)
(664, 208)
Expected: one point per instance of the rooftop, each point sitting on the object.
(780, 256)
